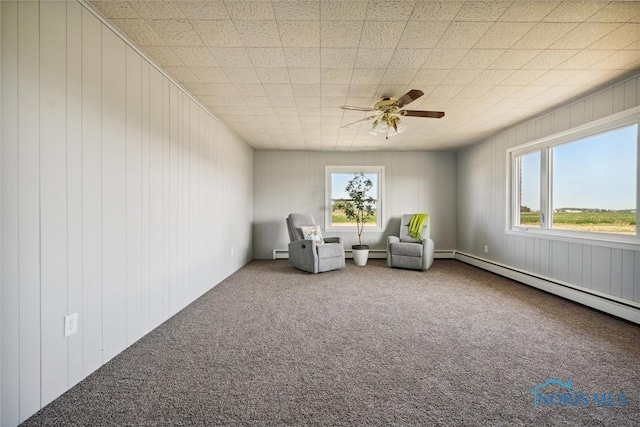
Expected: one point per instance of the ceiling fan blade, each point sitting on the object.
(419, 113)
(408, 97)
(359, 121)
(348, 107)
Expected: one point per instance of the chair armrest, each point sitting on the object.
(428, 249)
(303, 254)
(390, 241)
(333, 240)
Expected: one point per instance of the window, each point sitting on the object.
(336, 181)
(580, 183)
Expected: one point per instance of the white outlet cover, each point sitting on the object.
(70, 324)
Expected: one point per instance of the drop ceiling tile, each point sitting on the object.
(196, 88)
(182, 74)
(241, 75)
(422, 34)
(482, 10)
(553, 77)
(258, 33)
(389, 10)
(444, 58)
(474, 91)
(503, 35)
(585, 77)
(522, 77)
(409, 58)
(531, 91)
(195, 56)
(336, 76)
(435, 10)
(306, 90)
(341, 33)
(584, 35)
(218, 33)
(445, 91)
(549, 59)
(278, 90)
(264, 111)
(617, 11)
(244, 10)
(461, 77)
(574, 11)
(163, 56)
(373, 58)
(620, 38)
(220, 90)
(463, 34)
(270, 57)
(513, 59)
(116, 9)
(304, 103)
(621, 60)
(210, 74)
(584, 59)
(399, 76)
(230, 57)
(299, 33)
(258, 101)
(250, 89)
(273, 75)
(331, 119)
(157, 9)
(286, 10)
(334, 95)
(238, 111)
(209, 10)
(346, 10)
(290, 111)
(528, 11)
(479, 59)
(492, 77)
(176, 32)
(372, 36)
(503, 91)
(139, 31)
(282, 101)
(302, 57)
(365, 102)
(305, 75)
(430, 77)
(367, 75)
(387, 90)
(362, 90)
(337, 57)
(543, 35)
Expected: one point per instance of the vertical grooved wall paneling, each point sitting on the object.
(113, 181)
(604, 269)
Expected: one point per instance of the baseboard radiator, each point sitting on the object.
(373, 254)
(618, 307)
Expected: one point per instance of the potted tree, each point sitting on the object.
(359, 208)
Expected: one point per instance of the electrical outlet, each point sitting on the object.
(70, 324)
(232, 250)
(486, 249)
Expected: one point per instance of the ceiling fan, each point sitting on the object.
(387, 113)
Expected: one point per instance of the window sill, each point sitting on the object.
(605, 240)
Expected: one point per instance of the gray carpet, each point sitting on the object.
(365, 346)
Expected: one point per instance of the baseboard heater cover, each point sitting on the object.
(568, 291)
(373, 254)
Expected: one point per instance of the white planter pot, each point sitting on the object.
(360, 256)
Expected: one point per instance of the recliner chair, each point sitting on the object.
(406, 252)
(307, 254)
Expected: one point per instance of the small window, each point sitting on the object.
(582, 182)
(337, 178)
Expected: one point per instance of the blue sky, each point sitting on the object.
(339, 182)
(596, 172)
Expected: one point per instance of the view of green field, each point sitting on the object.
(621, 222)
(339, 218)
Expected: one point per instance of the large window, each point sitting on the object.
(336, 181)
(580, 183)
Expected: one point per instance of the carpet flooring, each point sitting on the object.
(454, 346)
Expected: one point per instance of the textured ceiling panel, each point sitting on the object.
(277, 71)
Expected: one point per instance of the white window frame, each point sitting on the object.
(328, 171)
(545, 145)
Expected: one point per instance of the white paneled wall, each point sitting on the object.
(482, 205)
(293, 181)
(121, 200)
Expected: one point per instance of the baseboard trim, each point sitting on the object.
(373, 254)
(625, 310)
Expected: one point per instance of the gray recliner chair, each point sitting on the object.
(307, 254)
(406, 252)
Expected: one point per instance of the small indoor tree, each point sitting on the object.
(360, 206)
